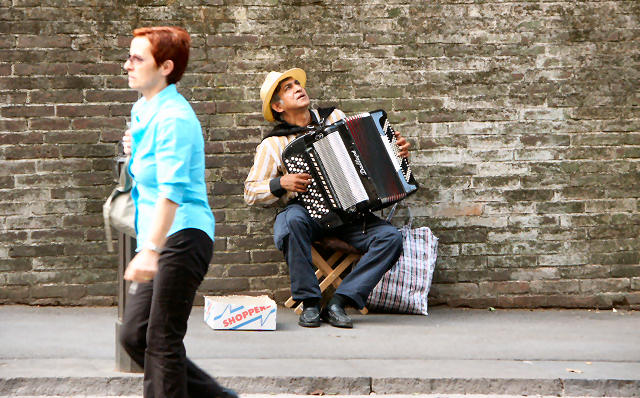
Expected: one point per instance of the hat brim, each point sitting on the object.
(295, 73)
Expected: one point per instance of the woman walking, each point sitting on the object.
(174, 223)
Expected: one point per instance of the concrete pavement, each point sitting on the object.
(70, 351)
(372, 395)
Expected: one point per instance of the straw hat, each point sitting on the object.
(270, 84)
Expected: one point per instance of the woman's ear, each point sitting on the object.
(167, 67)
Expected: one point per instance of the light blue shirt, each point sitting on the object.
(167, 161)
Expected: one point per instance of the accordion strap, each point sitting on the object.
(324, 113)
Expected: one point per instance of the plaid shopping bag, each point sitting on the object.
(405, 287)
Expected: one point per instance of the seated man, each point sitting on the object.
(284, 99)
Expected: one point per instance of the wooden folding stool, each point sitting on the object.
(339, 256)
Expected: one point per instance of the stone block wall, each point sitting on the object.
(524, 118)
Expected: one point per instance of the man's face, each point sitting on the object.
(292, 95)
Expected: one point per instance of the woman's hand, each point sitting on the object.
(403, 145)
(143, 267)
(126, 142)
(295, 182)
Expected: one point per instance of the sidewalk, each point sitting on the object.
(70, 351)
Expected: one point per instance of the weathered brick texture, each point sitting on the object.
(524, 118)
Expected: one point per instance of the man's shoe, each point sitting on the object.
(310, 317)
(335, 315)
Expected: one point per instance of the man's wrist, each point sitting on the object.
(275, 187)
(152, 246)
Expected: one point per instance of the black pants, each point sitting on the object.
(155, 320)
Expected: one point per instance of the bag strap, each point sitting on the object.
(125, 181)
(124, 185)
(107, 222)
(393, 210)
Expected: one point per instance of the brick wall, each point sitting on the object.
(524, 118)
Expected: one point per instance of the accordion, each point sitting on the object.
(354, 166)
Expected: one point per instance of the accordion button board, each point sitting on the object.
(313, 198)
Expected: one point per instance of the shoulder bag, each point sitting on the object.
(119, 211)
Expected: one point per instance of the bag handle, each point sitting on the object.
(393, 210)
(124, 180)
(107, 223)
(124, 185)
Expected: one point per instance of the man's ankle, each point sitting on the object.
(311, 302)
(340, 300)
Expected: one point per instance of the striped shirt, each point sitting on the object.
(267, 165)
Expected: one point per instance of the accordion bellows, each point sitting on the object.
(355, 168)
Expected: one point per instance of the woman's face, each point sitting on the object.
(144, 75)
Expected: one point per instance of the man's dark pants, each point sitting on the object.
(294, 231)
(155, 320)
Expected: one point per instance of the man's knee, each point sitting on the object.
(392, 242)
(291, 220)
(390, 237)
(297, 217)
(395, 239)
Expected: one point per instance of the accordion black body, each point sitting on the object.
(355, 168)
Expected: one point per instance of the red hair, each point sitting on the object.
(168, 43)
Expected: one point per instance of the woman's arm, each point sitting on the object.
(144, 265)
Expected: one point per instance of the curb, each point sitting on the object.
(132, 385)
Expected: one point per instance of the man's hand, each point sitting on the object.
(126, 142)
(403, 145)
(295, 182)
(143, 267)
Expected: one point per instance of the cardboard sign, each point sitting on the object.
(240, 312)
